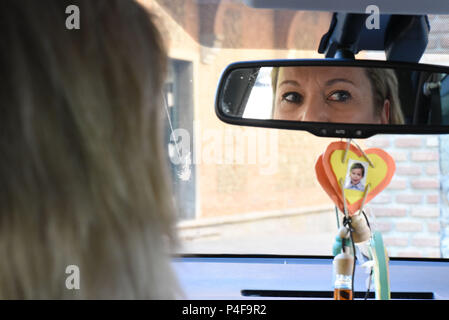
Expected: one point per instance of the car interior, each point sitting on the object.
(254, 221)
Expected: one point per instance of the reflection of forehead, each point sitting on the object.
(321, 73)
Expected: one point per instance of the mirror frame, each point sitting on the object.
(325, 129)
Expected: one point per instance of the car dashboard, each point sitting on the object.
(235, 277)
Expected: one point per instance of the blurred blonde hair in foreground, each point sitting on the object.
(82, 174)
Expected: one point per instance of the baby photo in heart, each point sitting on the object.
(356, 175)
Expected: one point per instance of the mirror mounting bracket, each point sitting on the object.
(401, 37)
(344, 54)
(343, 35)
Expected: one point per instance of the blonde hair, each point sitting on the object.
(82, 174)
(385, 87)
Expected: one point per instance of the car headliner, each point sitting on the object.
(412, 7)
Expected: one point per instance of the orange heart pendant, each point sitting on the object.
(360, 177)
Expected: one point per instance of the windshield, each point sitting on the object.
(250, 190)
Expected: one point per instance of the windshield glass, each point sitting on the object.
(253, 190)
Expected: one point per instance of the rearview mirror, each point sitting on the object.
(336, 98)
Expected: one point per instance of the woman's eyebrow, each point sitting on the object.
(333, 81)
(291, 82)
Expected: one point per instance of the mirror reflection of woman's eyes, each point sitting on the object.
(340, 96)
(292, 97)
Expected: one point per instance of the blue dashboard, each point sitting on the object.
(233, 277)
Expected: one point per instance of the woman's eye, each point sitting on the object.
(340, 96)
(293, 97)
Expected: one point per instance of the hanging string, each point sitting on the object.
(345, 154)
(368, 186)
(364, 155)
(348, 144)
(336, 215)
(345, 205)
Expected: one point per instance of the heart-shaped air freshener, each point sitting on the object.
(325, 184)
(360, 176)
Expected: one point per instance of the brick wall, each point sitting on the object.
(407, 212)
(438, 40)
(444, 195)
